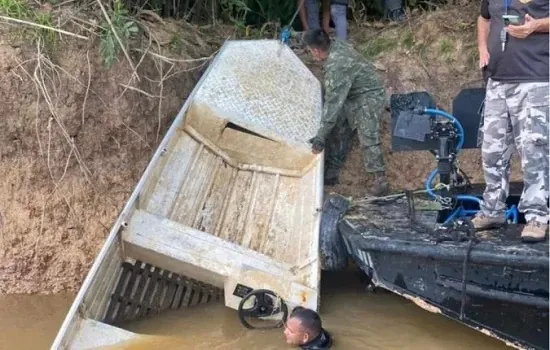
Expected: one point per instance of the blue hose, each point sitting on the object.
(428, 183)
(446, 115)
(463, 197)
(456, 213)
(511, 213)
(453, 120)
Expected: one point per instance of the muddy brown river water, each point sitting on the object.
(355, 318)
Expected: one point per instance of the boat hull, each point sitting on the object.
(505, 290)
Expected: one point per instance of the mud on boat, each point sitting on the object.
(219, 213)
(427, 251)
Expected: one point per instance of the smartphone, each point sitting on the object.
(511, 19)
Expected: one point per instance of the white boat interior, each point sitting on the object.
(231, 198)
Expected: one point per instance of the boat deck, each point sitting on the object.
(389, 221)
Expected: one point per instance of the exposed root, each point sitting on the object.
(87, 87)
(38, 77)
(61, 31)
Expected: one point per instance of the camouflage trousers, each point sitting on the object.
(516, 118)
(365, 119)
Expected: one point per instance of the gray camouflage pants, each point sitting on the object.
(525, 108)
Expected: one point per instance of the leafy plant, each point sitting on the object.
(124, 26)
(445, 46)
(235, 11)
(15, 9)
(47, 36)
(176, 43)
(408, 40)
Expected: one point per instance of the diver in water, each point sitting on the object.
(304, 329)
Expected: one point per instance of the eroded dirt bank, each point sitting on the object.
(58, 202)
(74, 140)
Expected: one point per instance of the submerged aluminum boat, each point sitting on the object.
(229, 204)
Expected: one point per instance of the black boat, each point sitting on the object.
(431, 254)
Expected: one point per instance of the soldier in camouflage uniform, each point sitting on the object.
(354, 100)
(516, 111)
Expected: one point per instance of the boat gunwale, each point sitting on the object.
(128, 207)
(448, 251)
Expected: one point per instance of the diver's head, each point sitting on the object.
(303, 325)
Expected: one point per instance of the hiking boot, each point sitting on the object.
(482, 222)
(381, 186)
(533, 232)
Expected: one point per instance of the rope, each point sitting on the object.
(285, 33)
(437, 187)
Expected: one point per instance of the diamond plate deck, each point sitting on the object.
(264, 87)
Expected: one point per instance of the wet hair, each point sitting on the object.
(317, 39)
(309, 319)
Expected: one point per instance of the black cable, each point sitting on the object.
(471, 243)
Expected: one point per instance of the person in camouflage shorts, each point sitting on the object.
(516, 112)
(354, 99)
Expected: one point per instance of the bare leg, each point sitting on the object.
(303, 14)
(326, 16)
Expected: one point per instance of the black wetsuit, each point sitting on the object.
(321, 342)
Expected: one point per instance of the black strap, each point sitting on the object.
(472, 241)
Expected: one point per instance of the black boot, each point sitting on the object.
(394, 10)
(381, 186)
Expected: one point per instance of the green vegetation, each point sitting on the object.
(446, 47)
(251, 18)
(15, 9)
(21, 10)
(124, 26)
(376, 46)
(408, 40)
(48, 37)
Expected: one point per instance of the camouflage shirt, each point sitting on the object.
(349, 78)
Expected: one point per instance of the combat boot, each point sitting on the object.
(533, 232)
(381, 186)
(483, 222)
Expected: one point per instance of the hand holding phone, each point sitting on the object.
(520, 30)
(511, 19)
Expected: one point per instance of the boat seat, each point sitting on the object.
(199, 255)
